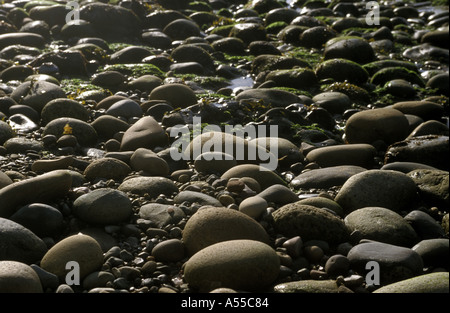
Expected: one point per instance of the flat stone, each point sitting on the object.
(44, 166)
(323, 178)
(406, 167)
(351, 48)
(153, 186)
(431, 127)
(22, 145)
(307, 286)
(349, 154)
(161, 215)
(333, 101)
(242, 150)
(198, 197)
(273, 97)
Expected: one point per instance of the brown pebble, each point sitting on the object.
(235, 185)
(293, 246)
(313, 253)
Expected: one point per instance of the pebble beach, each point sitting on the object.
(224, 146)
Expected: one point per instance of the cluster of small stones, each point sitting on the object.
(92, 199)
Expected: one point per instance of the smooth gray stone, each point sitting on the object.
(325, 177)
(434, 252)
(395, 263)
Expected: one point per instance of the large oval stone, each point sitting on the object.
(82, 249)
(349, 154)
(18, 277)
(310, 223)
(382, 225)
(37, 94)
(212, 225)
(83, 131)
(351, 48)
(385, 124)
(177, 95)
(63, 107)
(107, 168)
(247, 265)
(42, 219)
(242, 150)
(379, 188)
(103, 206)
(395, 263)
(45, 187)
